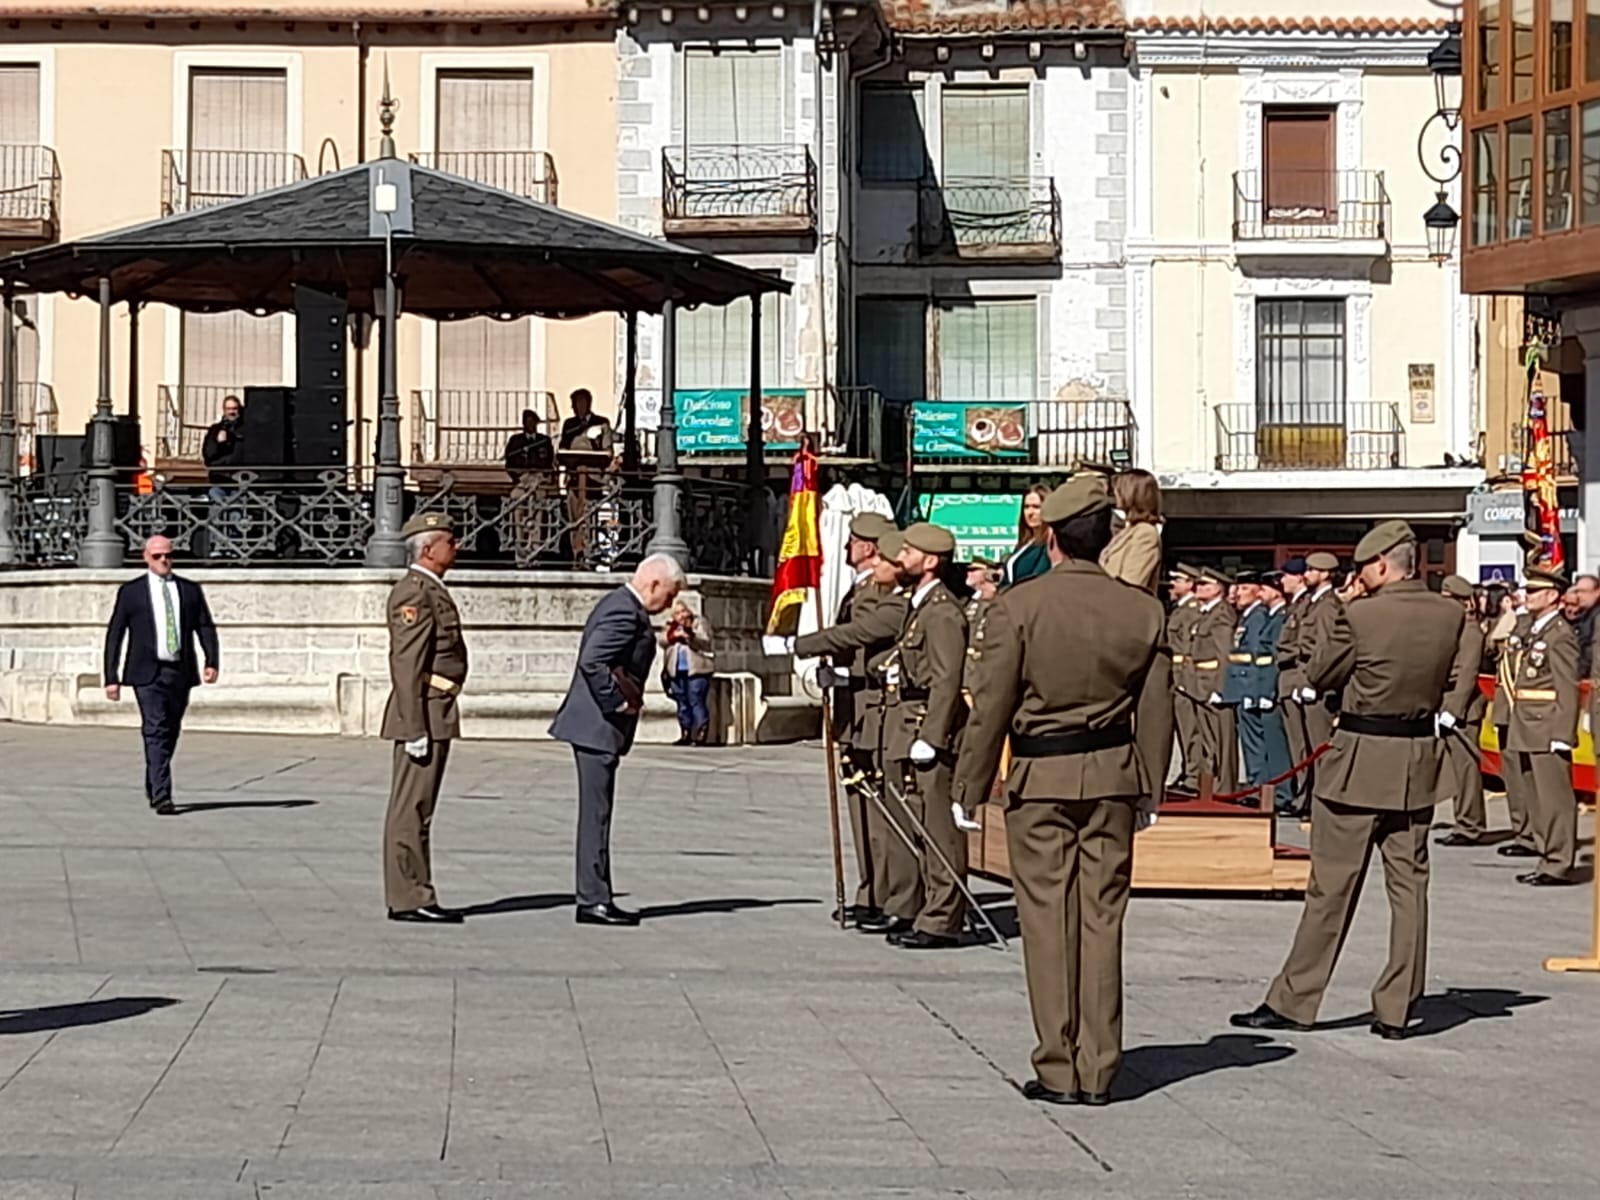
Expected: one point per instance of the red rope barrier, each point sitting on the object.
(1287, 775)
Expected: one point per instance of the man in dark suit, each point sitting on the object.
(600, 715)
(160, 616)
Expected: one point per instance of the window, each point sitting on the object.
(1560, 46)
(892, 347)
(1557, 214)
(1488, 90)
(1519, 178)
(894, 147)
(1297, 156)
(1521, 51)
(1300, 383)
(484, 110)
(714, 346)
(988, 350)
(1589, 115)
(1486, 186)
(733, 97)
(985, 133)
(1591, 41)
(19, 104)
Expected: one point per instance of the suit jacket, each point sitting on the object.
(875, 616)
(616, 638)
(1074, 650)
(1029, 562)
(427, 661)
(1134, 556)
(1536, 699)
(132, 622)
(1393, 653)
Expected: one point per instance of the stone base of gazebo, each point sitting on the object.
(305, 652)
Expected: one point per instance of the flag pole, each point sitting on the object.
(829, 749)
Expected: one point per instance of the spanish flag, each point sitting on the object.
(800, 557)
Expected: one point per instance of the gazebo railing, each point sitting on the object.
(36, 414)
(470, 426)
(184, 412)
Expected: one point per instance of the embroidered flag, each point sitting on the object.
(800, 556)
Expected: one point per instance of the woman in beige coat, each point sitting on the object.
(1134, 553)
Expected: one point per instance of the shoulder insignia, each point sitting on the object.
(408, 613)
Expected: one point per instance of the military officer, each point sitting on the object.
(1180, 620)
(926, 675)
(983, 584)
(1239, 687)
(864, 639)
(1210, 645)
(1291, 678)
(1275, 742)
(1392, 653)
(1462, 722)
(1536, 712)
(1076, 672)
(427, 666)
(1321, 615)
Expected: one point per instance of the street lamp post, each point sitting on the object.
(1441, 220)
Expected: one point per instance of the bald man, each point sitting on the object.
(159, 617)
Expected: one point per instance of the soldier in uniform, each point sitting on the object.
(1076, 672)
(1536, 712)
(1180, 623)
(1210, 645)
(1275, 742)
(1291, 678)
(1392, 653)
(427, 666)
(926, 675)
(1462, 722)
(1321, 615)
(1239, 686)
(984, 583)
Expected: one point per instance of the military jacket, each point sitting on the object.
(1536, 696)
(1290, 666)
(427, 660)
(1211, 645)
(1465, 701)
(1180, 630)
(925, 675)
(1322, 615)
(874, 618)
(1266, 651)
(1249, 640)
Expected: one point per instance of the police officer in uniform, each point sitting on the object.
(1291, 678)
(1274, 739)
(427, 666)
(1239, 688)
(1536, 711)
(1076, 672)
(926, 675)
(1392, 653)
(1210, 647)
(1462, 722)
(1180, 623)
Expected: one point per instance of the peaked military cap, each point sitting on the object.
(1216, 575)
(889, 544)
(1381, 539)
(1294, 566)
(1100, 469)
(869, 526)
(978, 561)
(1184, 571)
(1322, 561)
(930, 539)
(1544, 579)
(428, 522)
(1246, 577)
(1080, 496)
(1456, 586)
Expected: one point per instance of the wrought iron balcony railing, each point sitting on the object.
(1039, 433)
(1368, 436)
(738, 190)
(530, 174)
(1310, 206)
(30, 193)
(192, 179)
(36, 414)
(1005, 218)
(465, 427)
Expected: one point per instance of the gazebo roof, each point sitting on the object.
(461, 249)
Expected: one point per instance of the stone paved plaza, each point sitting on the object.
(211, 1006)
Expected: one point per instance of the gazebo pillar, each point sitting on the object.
(102, 547)
(386, 547)
(755, 461)
(630, 398)
(669, 483)
(10, 550)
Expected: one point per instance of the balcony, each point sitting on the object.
(738, 191)
(530, 174)
(1332, 437)
(462, 427)
(1303, 213)
(192, 179)
(30, 196)
(36, 414)
(1001, 434)
(989, 219)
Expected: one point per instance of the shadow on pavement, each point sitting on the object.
(537, 902)
(216, 805)
(1147, 1069)
(728, 904)
(70, 1016)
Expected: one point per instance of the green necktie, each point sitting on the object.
(172, 618)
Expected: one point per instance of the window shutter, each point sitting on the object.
(1298, 159)
(19, 105)
(985, 133)
(894, 145)
(988, 350)
(485, 110)
(714, 346)
(892, 347)
(733, 98)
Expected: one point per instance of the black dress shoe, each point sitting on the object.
(1096, 1099)
(919, 939)
(606, 914)
(1540, 879)
(884, 923)
(1459, 839)
(1517, 850)
(164, 808)
(428, 914)
(1389, 1033)
(1034, 1090)
(1264, 1016)
(857, 913)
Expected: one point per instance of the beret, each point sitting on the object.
(1216, 575)
(428, 522)
(930, 539)
(1381, 539)
(1080, 496)
(889, 544)
(869, 526)
(1294, 566)
(1322, 561)
(1455, 585)
(1544, 578)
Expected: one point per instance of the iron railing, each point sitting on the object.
(530, 174)
(184, 412)
(989, 217)
(1041, 433)
(846, 424)
(1366, 436)
(738, 189)
(192, 179)
(30, 187)
(36, 414)
(1318, 206)
(463, 426)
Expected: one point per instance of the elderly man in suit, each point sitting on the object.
(160, 616)
(600, 716)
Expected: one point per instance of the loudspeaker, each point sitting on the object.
(317, 427)
(58, 455)
(264, 441)
(319, 324)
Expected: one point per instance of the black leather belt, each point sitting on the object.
(1395, 727)
(1077, 741)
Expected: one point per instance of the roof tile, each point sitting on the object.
(1335, 25)
(1002, 16)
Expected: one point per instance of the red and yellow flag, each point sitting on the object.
(800, 556)
(1539, 476)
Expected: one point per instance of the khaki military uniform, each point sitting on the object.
(1467, 704)
(427, 666)
(1180, 630)
(1291, 678)
(925, 676)
(1076, 672)
(1393, 654)
(1535, 704)
(1211, 644)
(1323, 615)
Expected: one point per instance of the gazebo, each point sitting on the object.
(383, 235)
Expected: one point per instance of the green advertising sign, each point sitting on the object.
(984, 524)
(714, 420)
(969, 429)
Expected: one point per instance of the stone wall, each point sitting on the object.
(305, 651)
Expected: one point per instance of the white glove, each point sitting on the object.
(776, 647)
(1215, 701)
(417, 748)
(1445, 721)
(1265, 703)
(922, 754)
(1247, 703)
(1306, 695)
(1143, 820)
(1559, 748)
(960, 814)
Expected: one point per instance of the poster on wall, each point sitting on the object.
(1419, 377)
(983, 524)
(714, 420)
(969, 429)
